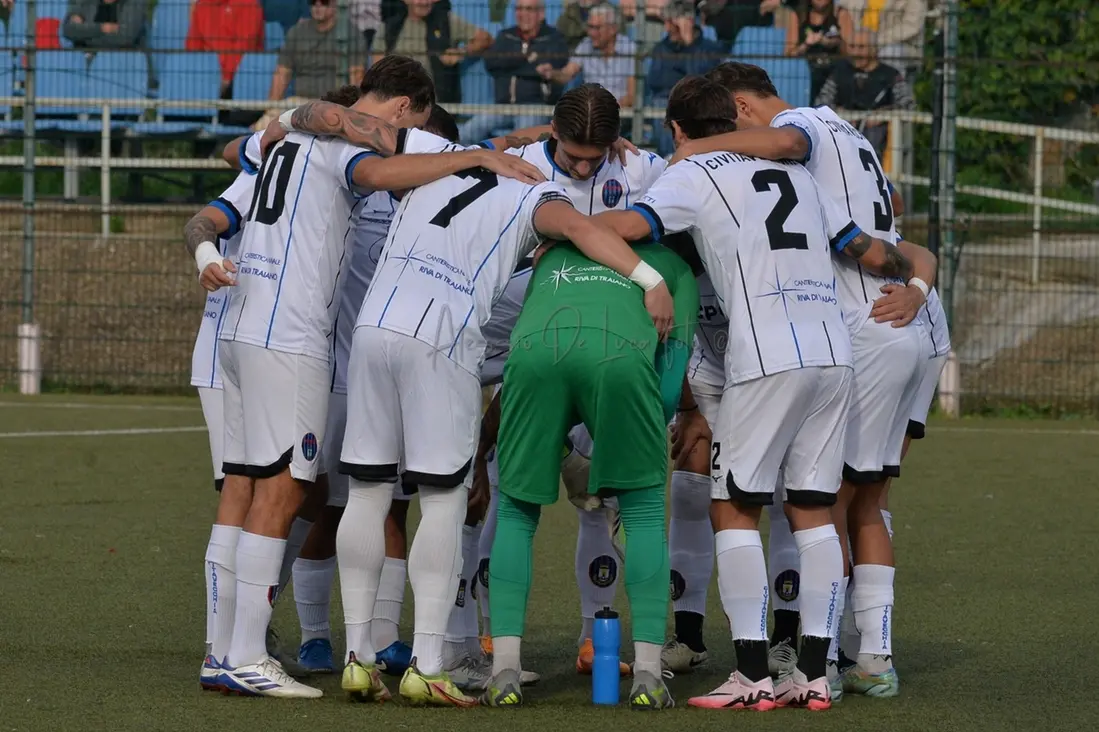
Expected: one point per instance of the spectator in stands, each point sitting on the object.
(606, 57)
(513, 60)
(652, 30)
(819, 31)
(573, 21)
(286, 13)
(898, 25)
(728, 17)
(311, 56)
(366, 15)
(105, 24)
(863, 83)
(439, 39)
(229, 28)
(682, 52)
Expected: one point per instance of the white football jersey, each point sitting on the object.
(295, 239)
(505, 314)
(934, 318)
(765, 235)
(248, 154)
(613, 186)
(367, 241)
(453, 247)
(711, 337)
(205, 371)
(848, 170)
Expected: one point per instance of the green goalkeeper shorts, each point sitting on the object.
(548, 389)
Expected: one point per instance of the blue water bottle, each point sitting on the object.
(606, 641)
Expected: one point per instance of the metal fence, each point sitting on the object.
(105, 153)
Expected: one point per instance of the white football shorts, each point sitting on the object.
(930, 371)
(276, 407)
(330, 455)
(213, 412)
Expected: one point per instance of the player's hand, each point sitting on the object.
(271, 135)
(620, 147)
(480, 492)
(509, 166)
(900, 306)
(658, 301)
(216, 276)
(542, 249)
(689, 429)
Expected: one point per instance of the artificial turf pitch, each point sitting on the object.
(101, 590)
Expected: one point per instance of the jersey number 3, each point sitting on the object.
(775, 222)
(267, 208)
(883, 212)
(485, 182)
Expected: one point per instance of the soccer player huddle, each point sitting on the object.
(368, 277)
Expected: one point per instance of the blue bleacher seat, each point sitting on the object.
(790, 76)
(273, 36)
(120, 75)
(709, 33)
(7, 86)
(185, 77)
(171, 19)
(253, 78)
(61, 74)
(478, 87)
(759, 41)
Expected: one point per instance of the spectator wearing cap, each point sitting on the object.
(682, 52)
(514, 61)
(229, 28)
(430, 32)
(311, 56)
(606, 57)
(105, 24)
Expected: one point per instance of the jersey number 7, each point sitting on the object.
(485, 182)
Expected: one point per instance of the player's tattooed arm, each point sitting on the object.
(357, 128)
(199, 234)
(519, 138)
(202, 227)
(879, 256)
(770, 143)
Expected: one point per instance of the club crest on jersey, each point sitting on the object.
(787, 584)
(612, 193)
(309, 446)
(603, 571)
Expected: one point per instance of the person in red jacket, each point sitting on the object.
(229, 28)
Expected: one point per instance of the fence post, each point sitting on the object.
(30, 364)
(1036, 231)
(637, 126)
(950, 384)
(105, 174)
(343, 40)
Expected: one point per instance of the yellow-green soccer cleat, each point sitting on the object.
(363, 682)
(433, 691)
(883, 685)
(649, 692)
(504, 690)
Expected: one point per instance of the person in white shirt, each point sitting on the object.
(764, 232)
(890, 344)
(414, 403)
(276, 340)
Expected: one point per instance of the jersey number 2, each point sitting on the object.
(276, 171)
(485, 182)
(883, 212)
(775, 222)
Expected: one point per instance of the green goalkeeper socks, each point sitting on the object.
(510, 565)
(647, 565)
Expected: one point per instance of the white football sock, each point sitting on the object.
(471, 536)
(299, 532)
(691, 541)
(646, 657)
(385, 625)
(872, 604)
(313, 580)
(505, 653)
(821, 561)
(887, 517)
(783, 567)
(838, 621)
(484, 550)
(596, 564)
(434, 567)
(455, 648)
(742, 582)
(221, 588)
(258, 561)
(360, 554)
(850, 640)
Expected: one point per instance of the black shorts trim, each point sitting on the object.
(234, 469)
(386, 473)
(810, 498)
(412, 478)
(736, 495)
(916, 430)
(218, 483)
(260, 472)
(863, 477)
(891, 471)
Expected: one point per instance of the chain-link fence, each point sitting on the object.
(115, 113)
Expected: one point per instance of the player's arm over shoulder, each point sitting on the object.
(672, 204)
(791, 138)
(358, 128)
(903, 259)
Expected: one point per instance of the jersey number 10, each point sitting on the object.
(266, 209)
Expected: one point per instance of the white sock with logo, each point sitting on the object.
(221, 588)
(872, 604)
(597, 566)
(821, 561)
(742, 582)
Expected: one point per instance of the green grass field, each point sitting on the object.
(101, 589)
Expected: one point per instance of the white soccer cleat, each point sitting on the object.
(782, 658)
(470, 674)
(266, 678)
(680, 658)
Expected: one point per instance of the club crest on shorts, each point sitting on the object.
(787, 584)
(603, 571)
(309, 446)
(679, 585)
(612, 193)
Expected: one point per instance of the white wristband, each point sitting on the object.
(284, 120)
(205, 255)
(645, 276)
(917, 282)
